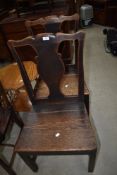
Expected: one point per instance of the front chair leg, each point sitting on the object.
(92, 160)
(30, 161)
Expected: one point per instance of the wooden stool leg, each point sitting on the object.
(7, 167)
(30, 161)
(92, 160)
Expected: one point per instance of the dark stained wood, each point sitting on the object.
(59, 123)
(37, 92)
(51, 23)
(48, 67)
(74, 129)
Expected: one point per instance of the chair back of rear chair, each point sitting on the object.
(51, 24)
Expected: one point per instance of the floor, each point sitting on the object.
(101, 78)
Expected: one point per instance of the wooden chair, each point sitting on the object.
(59, 123)
(43, 92)
(7, 117)
(54, 24)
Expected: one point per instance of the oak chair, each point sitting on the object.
(7, 117)
(43, 92)
(59, 123)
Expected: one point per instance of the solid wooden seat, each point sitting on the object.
(58, 124)
(53, 129)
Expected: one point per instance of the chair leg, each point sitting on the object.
(30, 161)
(86, 100)
(92, 160)
(7, 167)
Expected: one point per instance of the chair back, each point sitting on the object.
(49, 63)
(51, 24)
(54, 24)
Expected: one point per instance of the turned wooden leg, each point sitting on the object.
(30, 161)
(92, 160)
(7, 167)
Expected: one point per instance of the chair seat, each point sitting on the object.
(62, 132)
(11, 78)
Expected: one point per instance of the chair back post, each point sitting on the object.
(79, 63)
(12, 46)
